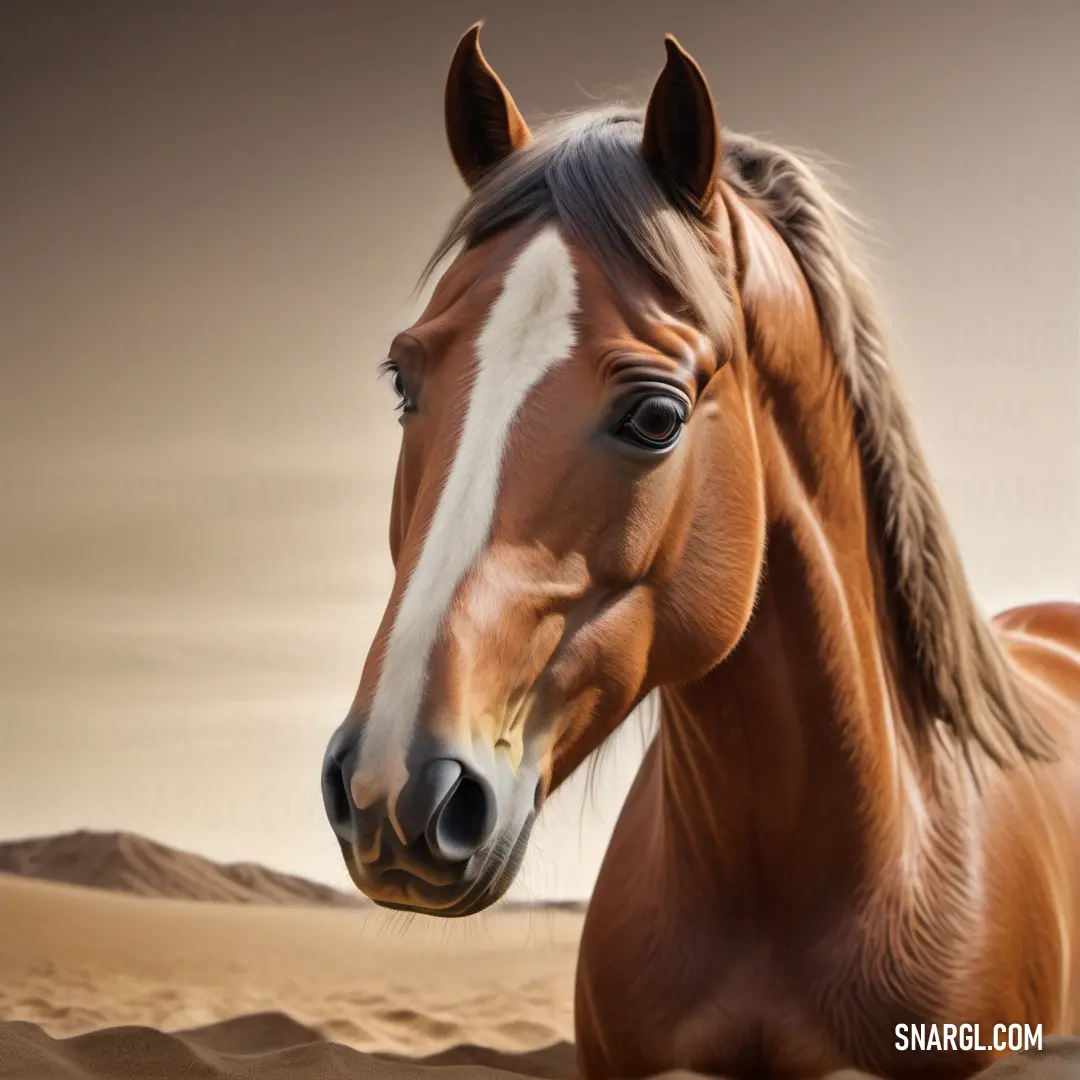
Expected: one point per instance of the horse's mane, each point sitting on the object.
(586, 172)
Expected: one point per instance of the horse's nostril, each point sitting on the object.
(462, 824)
(446, 810)
(336, 797)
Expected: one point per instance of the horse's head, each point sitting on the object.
(578, 515)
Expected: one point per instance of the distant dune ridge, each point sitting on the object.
(124, 863)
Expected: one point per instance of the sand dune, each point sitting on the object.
(121, 862)
(27, 1053)
(95, 985)
(74, 960)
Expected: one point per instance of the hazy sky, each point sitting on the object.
(211, 220)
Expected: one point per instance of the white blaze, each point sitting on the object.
(529, 330)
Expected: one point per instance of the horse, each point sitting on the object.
(654, 455)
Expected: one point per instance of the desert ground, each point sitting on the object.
(118, 980)
(75, 960)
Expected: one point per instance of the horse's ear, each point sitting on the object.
(483, 124)
(681, 140)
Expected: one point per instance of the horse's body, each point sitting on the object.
(862, 807)
(763, 947)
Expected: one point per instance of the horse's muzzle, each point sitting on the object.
(431, 845)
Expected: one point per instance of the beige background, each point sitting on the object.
(211, 219)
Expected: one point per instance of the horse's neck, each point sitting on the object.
(787, 759)
(788, 772)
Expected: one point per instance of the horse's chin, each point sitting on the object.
(401, 891)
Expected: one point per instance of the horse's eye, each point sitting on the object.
(397, 380)
(654, 423)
